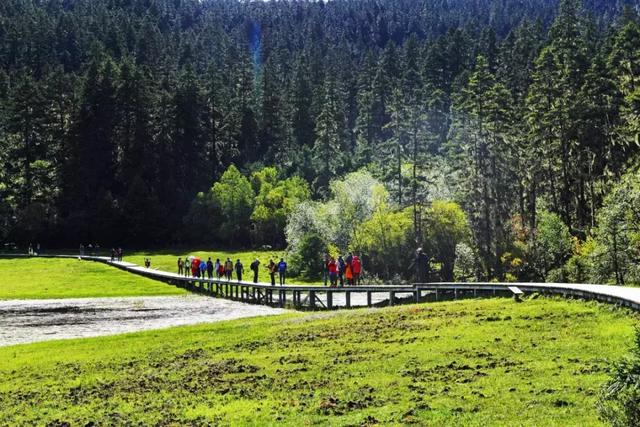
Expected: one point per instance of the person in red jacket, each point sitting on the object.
(332, 266)
(356, 265)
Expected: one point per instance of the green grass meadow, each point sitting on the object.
(40, 278)
(488, 362)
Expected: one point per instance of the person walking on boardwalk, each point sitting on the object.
(203, 269)
(217, 268)
(357, 269)
(210, 268)
(341, 267)
(187, 267)
(332, 267)
(228, 268)
(348, 274)
(113, 254)
(254, 267)
(325, 269)
(239, 270)
(180, 266)
(195, 267)
(282, 271)
(272, 267)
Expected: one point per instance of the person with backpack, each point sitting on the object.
(228, 269)
(254, 267)
(272, 267)
(357, 269)
(282, 271)
(239, 270)
(210, 268)
(332, 267)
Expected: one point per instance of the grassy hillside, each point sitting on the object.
(34, 278)
(473, 362)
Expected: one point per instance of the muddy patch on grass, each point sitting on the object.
(25, 321)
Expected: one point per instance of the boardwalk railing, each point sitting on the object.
(321, 297)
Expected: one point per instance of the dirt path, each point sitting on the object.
(25, 321)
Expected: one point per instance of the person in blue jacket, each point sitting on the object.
(282, 270)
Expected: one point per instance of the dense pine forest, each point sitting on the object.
(499, 135)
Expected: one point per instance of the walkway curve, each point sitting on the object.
(314, 297)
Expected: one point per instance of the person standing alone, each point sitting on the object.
(282, 271)
(239, 270)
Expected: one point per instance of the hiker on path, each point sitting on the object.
(272, 267)
(210, 268)
(282, 271)
(147, 262)
(228, 268)
(81, 249)
(325, 269)
(341, 266)
(422, 265)
(254, 267)
(195, 267)
(348, 274)
(357, 269)
(113, 254)
(217, 268)
(187, 267)
(239, 270)
(349, 258)
(203, 269)
(333, 272)
(180, 264)
(120, 254)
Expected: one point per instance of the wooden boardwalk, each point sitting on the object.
(321, 297)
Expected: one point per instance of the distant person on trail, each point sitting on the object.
(239, 270)
(333, 272)
(356, 264)
(180, 264)
(254, 267)
(325, 269)
(113, 254)
(272, 267)
(348, 274)
(120, 254)
(195, 268)
(217, 268)
(30, 249)
(209, 268)
(220, 271)
(422, 264)
(341, 267)
(147, 262)
(187, 267)
(349, 258)
(228, 268)
(282, 271)
(81, 249)
(203, 269)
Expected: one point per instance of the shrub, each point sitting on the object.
(619, 402)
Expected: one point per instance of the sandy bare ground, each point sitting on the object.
(25, 321)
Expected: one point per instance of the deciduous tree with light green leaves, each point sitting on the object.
(274, 202)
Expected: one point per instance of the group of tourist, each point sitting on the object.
(339, 270)
(195, 267)
(117, 254)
